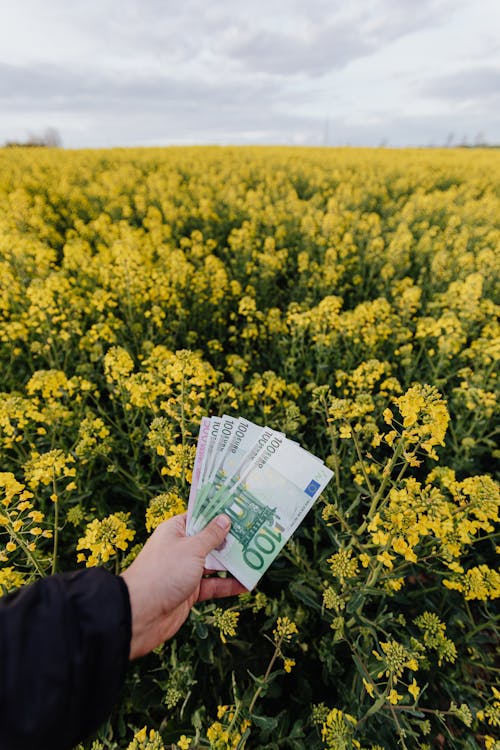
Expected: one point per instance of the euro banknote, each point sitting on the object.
(263, 481)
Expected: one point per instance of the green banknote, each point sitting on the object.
(233, 465)
(265, 489)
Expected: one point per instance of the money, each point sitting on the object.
(263, 481)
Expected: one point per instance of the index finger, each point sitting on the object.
(217, 588)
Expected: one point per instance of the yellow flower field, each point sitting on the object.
(348, 297)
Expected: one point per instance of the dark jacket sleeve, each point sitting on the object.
(64, 646)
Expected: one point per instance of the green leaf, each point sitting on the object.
(297, 730)
(267, 723)
(306, 595)
(375, 707)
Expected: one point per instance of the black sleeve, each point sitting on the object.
(64, 646)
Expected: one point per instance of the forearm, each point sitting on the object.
(64, 645)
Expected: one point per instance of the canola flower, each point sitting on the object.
(22, 529)
(163, 507)
(285, 630)
(144, 740)
(347, 297)
(229, 731)
(226, 621)
(337, 731)
(105, 539)
(10, 579)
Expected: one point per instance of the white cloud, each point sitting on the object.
(137, 71)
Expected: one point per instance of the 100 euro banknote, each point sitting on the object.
(243, 443)
(271, 489)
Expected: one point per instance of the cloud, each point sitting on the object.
(159, 71)
(466, 85)
(55, 85)
(275, 37)
(288, 54)
(143, 108)
(315, 45)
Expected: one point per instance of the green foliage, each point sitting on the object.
(345, 297)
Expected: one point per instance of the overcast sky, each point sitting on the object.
(154, 72)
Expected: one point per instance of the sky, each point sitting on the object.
(294, 72)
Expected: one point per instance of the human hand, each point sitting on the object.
(166, 579)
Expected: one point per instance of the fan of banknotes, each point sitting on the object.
(263, 481)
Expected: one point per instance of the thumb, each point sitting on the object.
(211, 536)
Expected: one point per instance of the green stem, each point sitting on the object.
(386, 479)
(268, 672)
(398, 725)
(333, 439)
(362, 463)
(56, 536)
(31, 558)
(353, 540)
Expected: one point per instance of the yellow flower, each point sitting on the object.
(118, 364)
(364, 559)
(342, 565)
(221, 711)
(45, 468)
(390, 437)
(394, 697)
(284, 630)
(163, 507)
(396, 658)
(183, 742)
(386, 559)
(414, 689)
(10, 579)
(388, 416)
(338, 729)
(226, 621)
(345, 431)
(144, 741)
(369, 687)
(288, 664)
(479, 582)
(105, 538)
(10, 486)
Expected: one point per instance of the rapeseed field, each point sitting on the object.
(346, 297)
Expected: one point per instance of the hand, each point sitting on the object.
(166, 579)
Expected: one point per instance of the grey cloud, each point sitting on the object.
(465, 85)
(418, 130)
(387, 20)
(330, 43)
(284, 37)
(220, 72)
(54, 88)
(272, 52)
(34, 82)
(225, 124)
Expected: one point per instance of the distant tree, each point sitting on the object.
(50, 139)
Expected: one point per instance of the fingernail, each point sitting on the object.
(223, 522)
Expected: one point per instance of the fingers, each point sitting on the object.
(174, 527)
(217, 588)
(211, 536)
(179, 523)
